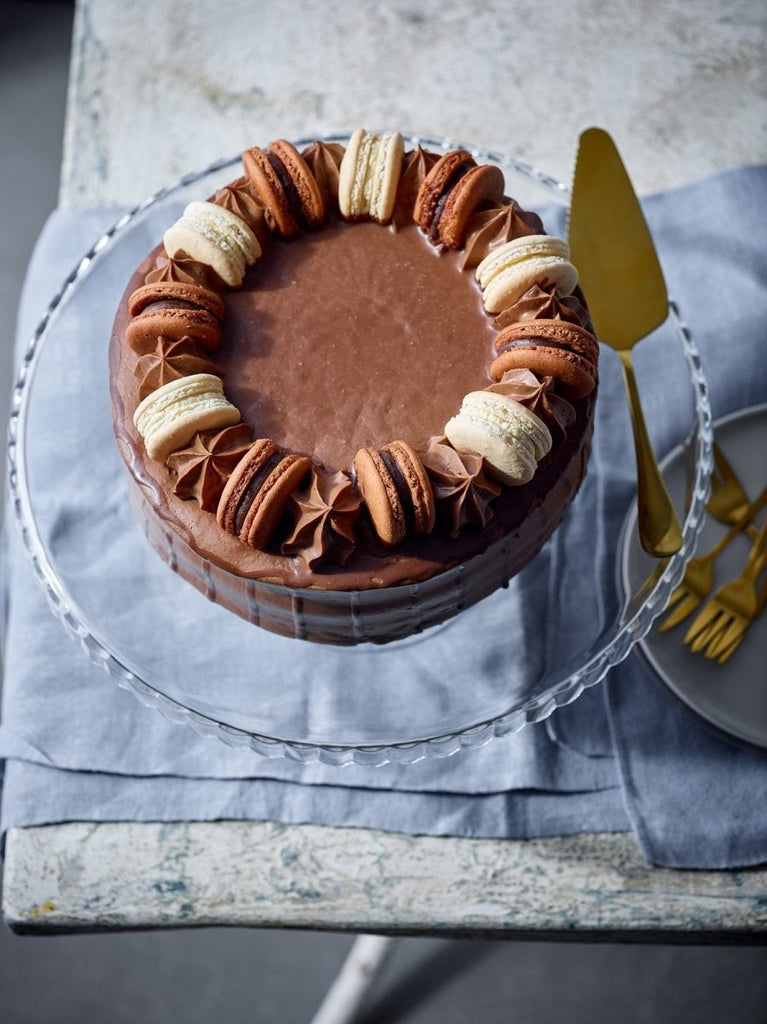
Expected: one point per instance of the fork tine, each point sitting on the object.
(721, 637)
(724, 652)
(707, 634)
(737, 602)
(687, 603)
(722, 646)
(698, 577)
(702, 622)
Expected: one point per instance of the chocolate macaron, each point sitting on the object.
(396, 489)
(550, 348)
(285, 186)
(174, 309)
(257, 492)
(451, 192)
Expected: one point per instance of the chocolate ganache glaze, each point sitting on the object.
(356, 336)
(349, 336)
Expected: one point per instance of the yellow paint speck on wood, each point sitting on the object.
(44, 908)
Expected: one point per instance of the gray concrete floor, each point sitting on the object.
(239, 975)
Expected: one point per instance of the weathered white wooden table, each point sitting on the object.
(88, 877)
(157, 90)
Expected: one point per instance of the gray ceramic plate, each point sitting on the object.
(731, 697)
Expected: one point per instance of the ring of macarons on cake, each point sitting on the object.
(241, 449)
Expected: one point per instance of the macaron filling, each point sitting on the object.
(528, 343)
(255, 484)
(175, 296)
(401, 487)
(162, 304)
(289, 188)
(369, 179)
(458, 173)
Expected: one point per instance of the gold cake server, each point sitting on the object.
(618, 268)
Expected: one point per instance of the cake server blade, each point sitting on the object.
(621, 276)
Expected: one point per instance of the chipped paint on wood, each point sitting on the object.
(148, 875)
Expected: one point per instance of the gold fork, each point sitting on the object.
(723, 651)
(728, 496)
(698, 577)
(733, 607)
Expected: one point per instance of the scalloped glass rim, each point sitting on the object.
(638, 617)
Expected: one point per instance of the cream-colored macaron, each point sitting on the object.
(510, 437)
(169, 417)
(369, 175)
(216, 237)
(507, 272)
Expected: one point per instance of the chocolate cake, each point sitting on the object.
(353, 389)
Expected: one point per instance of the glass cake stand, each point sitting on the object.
(512, 659)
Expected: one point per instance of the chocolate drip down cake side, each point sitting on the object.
(353, 389)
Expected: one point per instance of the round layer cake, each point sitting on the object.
(353, 389)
